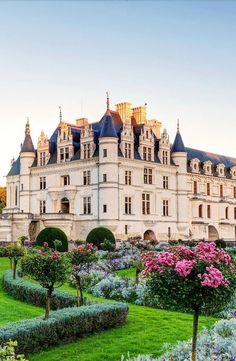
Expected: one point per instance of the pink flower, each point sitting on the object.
(184, 267)
(45, 244)
(183, 252)
(213, 278)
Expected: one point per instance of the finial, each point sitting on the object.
(108, 101)
(27, 127)
(178, 125)
(60, 114)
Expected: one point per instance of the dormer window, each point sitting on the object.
(195, 165)
(42, 158)
(165, 157)
(233, 172)
(207, 166)
(87, 150)
(147, 153)
(64, 154)
(220, 168)
(127, 150)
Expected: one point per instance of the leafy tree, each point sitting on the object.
(81, 256)
(49, 268)
(15, 251)
(2, 198)
(7, 352)
(200, 279)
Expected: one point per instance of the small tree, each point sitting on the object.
(81, 256)
(14, 252)
(200, 279)
(49, 268)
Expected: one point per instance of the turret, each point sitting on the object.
(178, 152)
(27, 157)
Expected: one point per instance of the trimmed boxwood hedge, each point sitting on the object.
(35, 294)
(51, 234)
(64, 325)
(98, 235)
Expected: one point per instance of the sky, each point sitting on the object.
(179, 57)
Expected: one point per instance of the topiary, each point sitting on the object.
(98, 235)
(51, 234)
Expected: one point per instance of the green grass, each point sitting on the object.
(146, 331)
(129, 272)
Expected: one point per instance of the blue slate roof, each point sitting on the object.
(107, 128)
(178, 145)
(214, 158)
(15, 168)
(27, 145)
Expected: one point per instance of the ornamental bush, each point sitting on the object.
(64, 325)
(220, 243)
(7, 352)
(49, 235)
(98, 235)
(200, 279)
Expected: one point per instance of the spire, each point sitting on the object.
(27, 146)
(108, 101)
(60, 113)
(27, 127)
(178, 125)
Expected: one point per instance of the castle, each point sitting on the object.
(122, 173)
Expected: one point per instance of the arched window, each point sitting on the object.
(200, 211)
(227, 212)
(16, 196)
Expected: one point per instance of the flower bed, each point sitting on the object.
(63, 325)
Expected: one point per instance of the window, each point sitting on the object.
(22, 186)
(147, 153)
(64, 154)
(87, 205)
(147, 176)
(126, 229)
(86, 177)
(146, 203)
(16, 196)
(67, 154)
(61, 154)
(200, 211)
(165, 208)
(227, 213)
(221, 190)
(208, 211)
(127, 205)
(165, 157)
(127, 150)
(42, 207)
(87, 150)
(195, 187)
(234, 212)
(42, 183)
(104, 208)
(104, 153)
(65, 180)
(42, 158)
(165, 182)
(128, 177)
(234, 192)
(144, 153)
(104, 177)
(208, 189)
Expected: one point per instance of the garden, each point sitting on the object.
(133, 301)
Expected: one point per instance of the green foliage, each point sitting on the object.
(64, 325)
(107, 246)
(7, 352)
(49, 235)
(34, 294)
(173, 242)
(15, 251)
(220, 243)
(98, 235)
(3, 251)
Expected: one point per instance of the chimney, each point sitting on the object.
(140, 114)
(81, 122)
(124, 110)
(156, 127)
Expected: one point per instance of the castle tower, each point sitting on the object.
(179, 157)
(108, 169)
(27, 157)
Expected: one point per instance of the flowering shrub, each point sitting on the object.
(7, 352)
(202, 278)
(49, 268)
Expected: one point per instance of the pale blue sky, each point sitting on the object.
(179, 57)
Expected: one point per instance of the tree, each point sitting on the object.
(49, 268)
(2, 198)
(14, 252)
(81, 256)
(200, 279)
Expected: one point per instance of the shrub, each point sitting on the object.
(49, 235)
(98, 235)
(107, 246)
(220, 243)
(64, 325)
(32, 293)
(7, 352)
(49, 268)
(3, 251)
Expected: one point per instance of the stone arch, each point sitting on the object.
(65, 205)
(149, 235)
(212, 233)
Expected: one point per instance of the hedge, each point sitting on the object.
(51, 234)
(32, 293)
(64, 325)
(98, 235)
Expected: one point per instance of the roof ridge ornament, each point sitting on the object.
(108, 101)
(27, 127)
(178, 125)
(60, 113)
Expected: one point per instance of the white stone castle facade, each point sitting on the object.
(121, 173)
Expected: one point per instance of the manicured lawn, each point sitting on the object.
(146, 331)
(130, 272)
